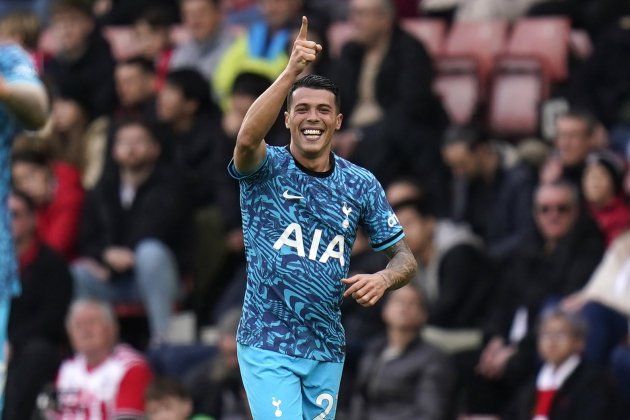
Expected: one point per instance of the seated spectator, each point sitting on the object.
(135, 86)
(56, 189)
(495, 199)
(153, 34)
(84, 58)
(400, 376)
(211, 37)
(216, 386)
(566, 387)
(394, 120)
(455, 278)
(557, 260)
(104, 379)
(189, 129)
(603, 190)
(124, 12)
(575, 139)
(36, 320)
(134, 227)
(166, 399)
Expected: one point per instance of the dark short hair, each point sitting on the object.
(468, 135)
(587, 117)
(215, 3)
(193, 86)
(314, 81)
(82, 6)
(156, 18)
(421, 205)
(577, 323)
(135, 121)
(146, 65)
(38, 157)
(252, 84)
(164, 387)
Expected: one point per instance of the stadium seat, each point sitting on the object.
(431, 32)
(459, 91)
(547, 39)
(338, 34)
(515, 100)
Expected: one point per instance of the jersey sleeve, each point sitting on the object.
(130, 398)
(16, 66)
(378, 218)
(261, 173)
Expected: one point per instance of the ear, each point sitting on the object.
(286, 119)
(338, 121)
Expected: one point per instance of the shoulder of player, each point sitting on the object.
(348, 168)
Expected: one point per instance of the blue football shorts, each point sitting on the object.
(280, 386)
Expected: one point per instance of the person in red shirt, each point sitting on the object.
(602, 185)
(104, 380)
(56, 189)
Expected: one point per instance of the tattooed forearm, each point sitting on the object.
(402, 265)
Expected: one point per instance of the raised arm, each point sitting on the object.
(367, 289)
(27, 101)
(250, 146)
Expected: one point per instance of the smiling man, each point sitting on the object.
(301, 208)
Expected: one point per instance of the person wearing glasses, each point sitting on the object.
(555, 261)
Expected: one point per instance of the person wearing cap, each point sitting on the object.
(602, 186)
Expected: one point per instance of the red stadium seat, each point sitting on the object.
(431, 32)
(459, 91)
(338, 34)
(547, 39)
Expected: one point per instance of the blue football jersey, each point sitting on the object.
(299, 227)
(15, 67)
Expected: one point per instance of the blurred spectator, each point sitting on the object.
(264, 47)
(36, 330)
(84, 58)
(603, 191)
(39, 7)
(393, 119)
(104, 379)
(135, 86)
(575, 139)
(495, 199)
(216, 386)
(554, 262)
(191, 135)
(135, 224)
(210, 37)
(24, 28)
(153, 33)
(566, 387)
(56, 189)
(402, 377)
(125, 12)
(166, 399)
(455, 278)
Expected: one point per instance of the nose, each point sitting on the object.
(312, 115)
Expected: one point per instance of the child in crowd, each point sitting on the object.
(166, 399)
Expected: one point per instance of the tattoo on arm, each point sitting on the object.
(402, 265)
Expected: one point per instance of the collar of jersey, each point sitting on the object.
(311, 172)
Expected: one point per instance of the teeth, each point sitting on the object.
(312, 132)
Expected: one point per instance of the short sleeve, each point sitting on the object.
(130, 398)
(16, 66)
(262, 172)
(378, 218)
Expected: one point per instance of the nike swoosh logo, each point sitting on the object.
(290, 196)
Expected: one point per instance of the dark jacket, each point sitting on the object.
(416, 385)
(39, 312)
(159, 211)
(587, 394)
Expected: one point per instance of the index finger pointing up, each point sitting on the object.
(303, 29)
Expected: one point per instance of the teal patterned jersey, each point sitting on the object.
(15, 67)
(299, 227)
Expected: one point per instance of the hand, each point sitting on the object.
(494, 359)
(120, 259)
(304, 51)
(4, 89)
(574, 302)
(551, 171)
(97, 269)
(366, 289)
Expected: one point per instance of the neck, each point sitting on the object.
(605, 202)
(135, 177)
(23, 244)
(97, 357)
(380, 44)
(183, 124)
(316, 164)
(400, 338)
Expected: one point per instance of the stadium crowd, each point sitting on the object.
(123, 211)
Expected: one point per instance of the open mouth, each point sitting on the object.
(312, 133)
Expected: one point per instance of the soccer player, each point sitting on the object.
(301, 207)
(23, 103)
